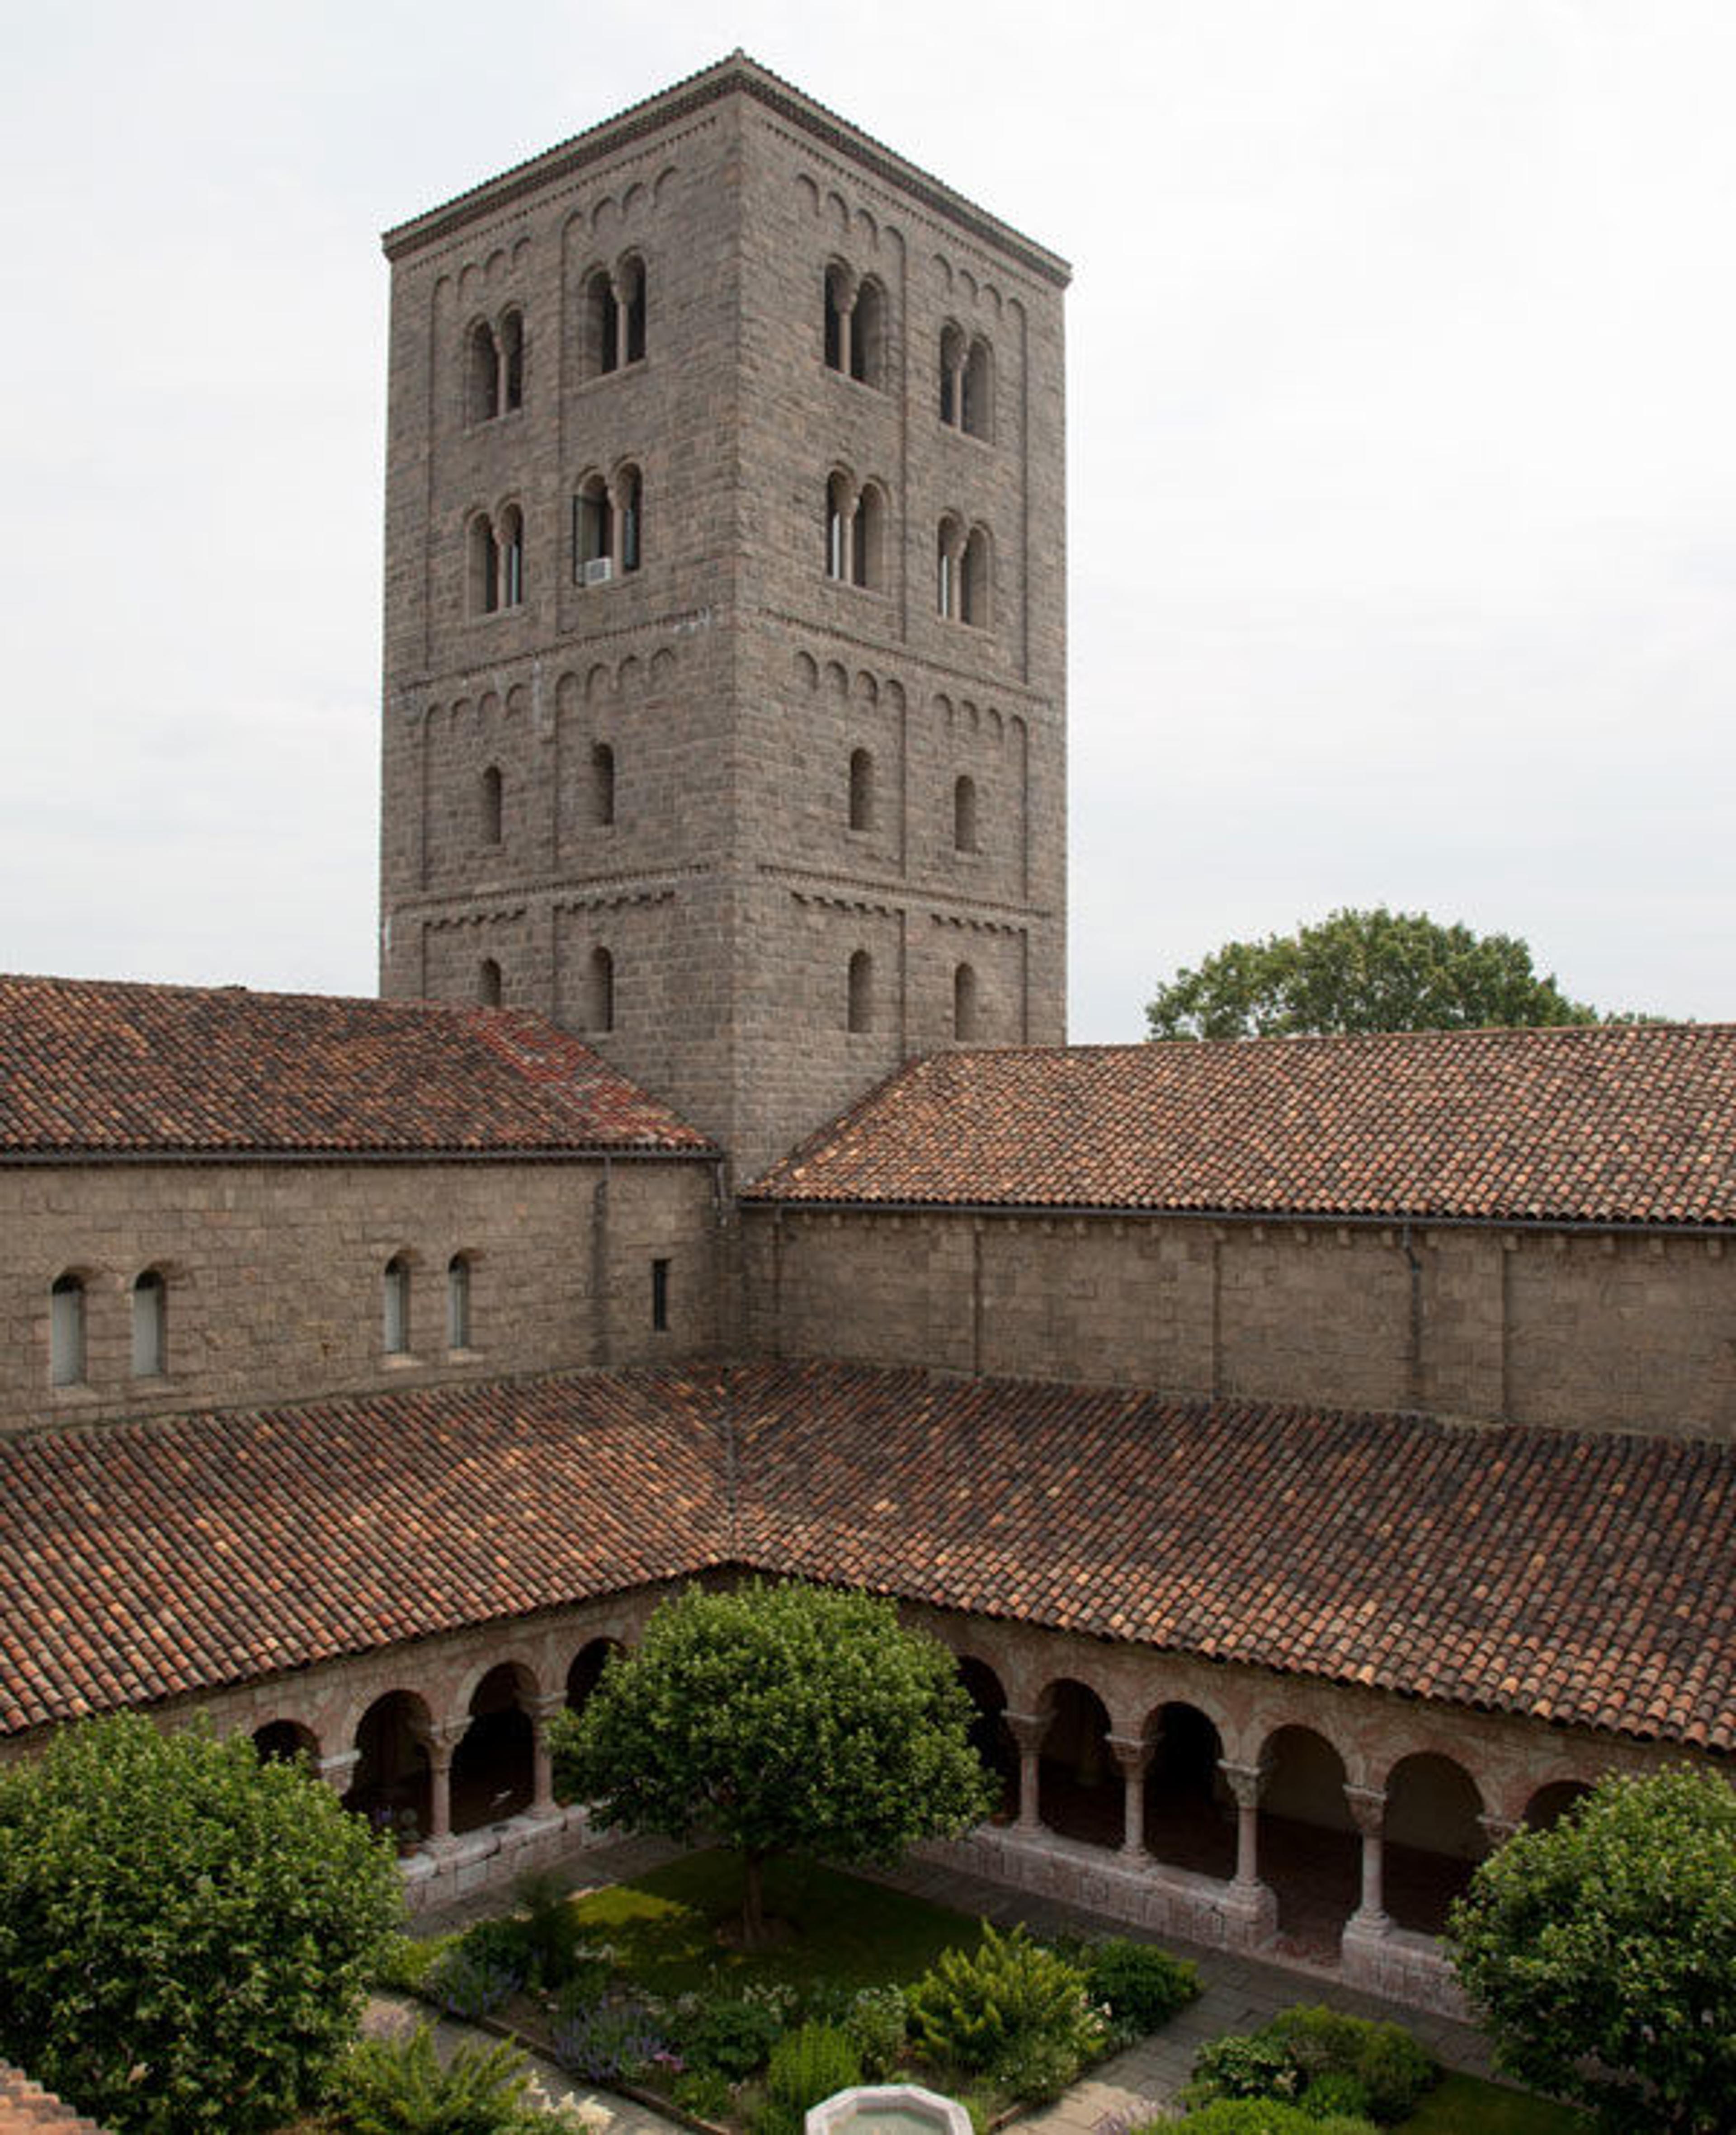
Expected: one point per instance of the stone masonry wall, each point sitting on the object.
(275, 1275)
(1584, 1331)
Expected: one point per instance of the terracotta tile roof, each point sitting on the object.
(1618, 1125)
(141, 1561)
(26, 2108)
(97, 1066)
(1574, 1578)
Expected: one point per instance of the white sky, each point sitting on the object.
(1403, 538)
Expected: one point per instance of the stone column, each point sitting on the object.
(619, 293)
(439, 1743)
(1499, 1829)
(542, 1791)
(1247, 1783)
(338, 1771)
(1027, 1730)
(1367, 1812)
(1133, 1758)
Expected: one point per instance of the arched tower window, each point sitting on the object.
(512, 361)
(838, 516)
(593, 533)
(484, 566)
(964, 1003)
(951, 367)
(974, 580)
(603, 784)
(150, 1325)
(866, 535)
(868, 335)
(488, 983)
(395, 1301)
(601, 1005)
(977, 395)
(859, 1011)
(630, 290)
(489, 806)
(629, 500)
(948, 542)
(66, 1331)
(862, 789)
(836, 299)
(964, 814)
(457, 1302)
(512, 557)
(482, 373)
(602, 322)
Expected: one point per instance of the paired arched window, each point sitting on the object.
(150, 1325)
(488, 983)
(600, 1006)
(855, 531)
(859, 1008)
(457, 1302)
(964, 814)
(964, 1003)
(603, 784)
(490, 807)
(394, 1307)
(966, 383)
(615, 316)
(854, 324)
(497, 560)
(494, 367)
(963, 571)
(862, 789)
(66, 1331)
(609, 525)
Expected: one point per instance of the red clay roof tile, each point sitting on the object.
(1623, 1124)
(96, 1067)
(26, 2108)
(1530, 1571)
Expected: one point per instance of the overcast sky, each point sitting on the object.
(1402, 349)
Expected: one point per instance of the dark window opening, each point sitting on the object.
(660, 1297)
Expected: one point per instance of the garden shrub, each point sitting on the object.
(1337, 2093)
(705, 2093)
(1267, 2116)
(1141, 1986)
(809, 2064)
(614, 2042)
(1301, 2047)
(734, 2036)
(1395, 2071)
(404, 1960)
(878, 2024)
(467, 1981)
(1245, 2064)
(551, 1931)
(399, 2087)
(1009, 2000)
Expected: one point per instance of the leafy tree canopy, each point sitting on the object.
(185, 1934)
(784, 1719)
(1602, 1954)
(1357, 971)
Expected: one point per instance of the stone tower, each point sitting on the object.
(726, 608)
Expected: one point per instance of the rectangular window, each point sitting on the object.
(660, 1297)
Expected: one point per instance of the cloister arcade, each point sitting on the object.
(1227, 1805)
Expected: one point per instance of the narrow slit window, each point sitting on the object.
(491, 806)
(660, 1297)
(512, 361)
(457, 1302)
(601, 1004)
(603, 784)
(632, 518)
(66, 1331)
(150, 1326)
(862, 789)
(395, 1318)
(633, 278)
(489, 983)
(964, 815)
(859, 1012)
(964, 1003)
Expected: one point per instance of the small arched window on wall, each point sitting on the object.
(512, 557)
(150, 1325)
(482, 373)
(600, 1007)
(602, 322)
(603, 784)
(976, 394)
(394, 1307)
(964, 814)
(488, 983)
(974, 580)
(868, 335)
(66, 1331)
(859, 1014)
(490, 810)
(862, 789)
(630, 286)
(964, 1003)
(457, 1302)
(867, 533)
(512, 361)
(483, 566)
(948, 546)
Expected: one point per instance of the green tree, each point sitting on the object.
(1357, 971)
(784, 1719)
(1602, 1954)
(185, 1934)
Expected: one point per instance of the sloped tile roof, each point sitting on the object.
(1560, 1576)
(1611, 1125)
(26, 2108)
(97, 1066)
(142, 1561)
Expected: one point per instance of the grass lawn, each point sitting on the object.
(664, 1927)
(1465, 2105)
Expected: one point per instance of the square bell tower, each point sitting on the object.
(726, 609)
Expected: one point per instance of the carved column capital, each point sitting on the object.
(1027, 1730)
(1131, 1753)
(1367, 1806)
(1499, 1829)
(1246, 1782)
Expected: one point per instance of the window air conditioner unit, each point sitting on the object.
(599, 571)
